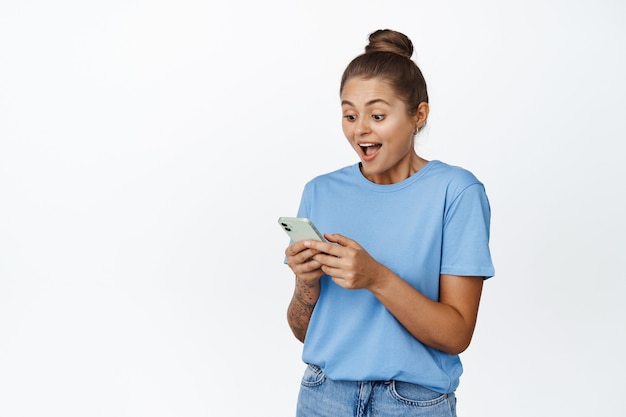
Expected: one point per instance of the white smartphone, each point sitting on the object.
(300, 228)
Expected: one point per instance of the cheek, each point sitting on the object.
(347, 129)
(404, 131)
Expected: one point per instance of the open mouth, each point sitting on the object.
(370, 148)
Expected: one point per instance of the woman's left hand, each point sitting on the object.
(348, 264)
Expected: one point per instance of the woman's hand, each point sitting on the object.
(349, 265)
(446, 324)
(307, 286)
(300, 259)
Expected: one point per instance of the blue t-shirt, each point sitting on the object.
(434, 222)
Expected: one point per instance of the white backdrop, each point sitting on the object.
(148, 147)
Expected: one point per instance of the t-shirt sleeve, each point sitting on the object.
(465, 246)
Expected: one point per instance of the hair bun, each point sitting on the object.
(387, 40)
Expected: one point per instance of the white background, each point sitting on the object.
(148, 147)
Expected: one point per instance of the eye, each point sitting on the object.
(350, 117)
(378, 117)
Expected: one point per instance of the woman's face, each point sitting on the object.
(380, 129)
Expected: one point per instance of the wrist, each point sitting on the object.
(307, 292)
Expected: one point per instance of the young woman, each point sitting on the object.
(385, 307)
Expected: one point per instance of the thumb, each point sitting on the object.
(340, 239)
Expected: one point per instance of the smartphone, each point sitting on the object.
(300, 228)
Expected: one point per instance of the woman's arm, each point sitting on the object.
(301, 307)
(446, 325)
(307, 287)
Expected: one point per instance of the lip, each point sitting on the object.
(368, 157)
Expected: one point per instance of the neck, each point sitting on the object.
(401, 173)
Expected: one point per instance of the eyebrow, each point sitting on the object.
(369, 103)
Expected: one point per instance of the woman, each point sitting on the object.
(385, 307)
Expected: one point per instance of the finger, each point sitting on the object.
(303, 257)
(337, 275)
(321, 247)
(325, 259)
(294, 249)
(309, 271)
(341, 240)
(308, 267)
(311, 276)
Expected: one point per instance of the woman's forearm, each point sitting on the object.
(301, 307)
(446, 324)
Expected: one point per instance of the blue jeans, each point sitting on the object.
(320, 396)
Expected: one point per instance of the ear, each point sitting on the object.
(421, 115)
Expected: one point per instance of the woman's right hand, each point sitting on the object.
(307, 287)
(300, 260)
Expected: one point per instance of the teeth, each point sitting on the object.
(365, 147)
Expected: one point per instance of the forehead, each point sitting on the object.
(363, 90)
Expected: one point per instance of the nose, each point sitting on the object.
(363, 126)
